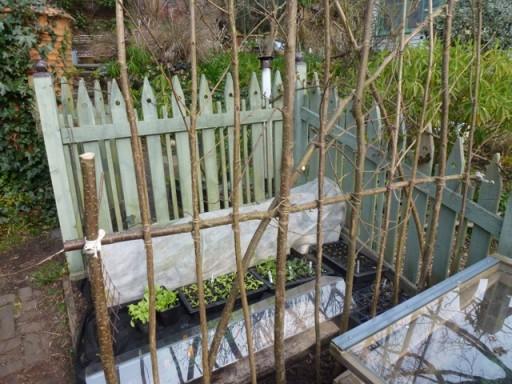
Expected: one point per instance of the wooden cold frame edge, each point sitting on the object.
(353, 365)
(377, 324)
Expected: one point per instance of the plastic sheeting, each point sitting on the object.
(125, 262)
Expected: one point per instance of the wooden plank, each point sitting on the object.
(505, 244)
(257, 142)
(245, 165)
(447, 217)
(110, 173)
(277, 128)
(315, 99)
(487, 220)
(300, 129)
(155, 156)
(47, 107)
(182, 147)
(66, 99)
(172, 177)
(209, 148)
(420, 200)
(223, 164)
(489, 198)
(85, 113)
(230, 106)
(165, 126)
(125, 158)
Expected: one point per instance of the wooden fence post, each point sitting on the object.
(505, 244)
(69, 222)
(93, 254)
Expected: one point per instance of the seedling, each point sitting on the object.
(164, 300)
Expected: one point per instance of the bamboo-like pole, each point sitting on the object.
(74, 245)
(395, 129)
(360, 161)
(142, 190)
(91, 210)
(321, 176)
(235, 194)
(409, 204)
(194, 160)
(459, 243)
(428, 249)
(284, 189)
(398, 121)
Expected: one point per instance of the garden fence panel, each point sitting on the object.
(275, 131)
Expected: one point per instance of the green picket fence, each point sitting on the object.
(97, 122)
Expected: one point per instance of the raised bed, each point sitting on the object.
(335, 255)
(217, 291)
(299, 270)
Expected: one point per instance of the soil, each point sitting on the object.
(47, 316)
(339, 252)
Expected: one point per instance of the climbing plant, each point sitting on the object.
(26, 199)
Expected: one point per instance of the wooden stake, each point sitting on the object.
(95, 267)
(409, 205)
(284, 190)
(194, 159)
(428, 249)
(321, 176)
(459, 243)
(235, 193)
(360, 160)
(142, 190)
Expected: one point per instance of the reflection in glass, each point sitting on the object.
(464, 336)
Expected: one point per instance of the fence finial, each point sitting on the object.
(41, 68)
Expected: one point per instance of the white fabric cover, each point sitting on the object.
(125, 262)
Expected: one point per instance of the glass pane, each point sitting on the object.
(465, 336)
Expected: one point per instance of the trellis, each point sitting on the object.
(103, 129)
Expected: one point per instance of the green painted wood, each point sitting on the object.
(182, 147)
(164, 126)
(276, 127)
(85, 113)
(223, 163)
(420, 200)
(155, 156)
(107, 147)
(125, 159)
(367, 228)
(505, 242)
(315, 98)
(48, 112)
(209, 148)
(257, 142)
(66, 99)
(172, 176)
(246, 170)
(447, 218)
(489, 198)
(300, 132)
(229, 101)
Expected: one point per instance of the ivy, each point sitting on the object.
(26, 198)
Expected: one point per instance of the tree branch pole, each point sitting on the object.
(194, 160)
(409, 205)
(428, 249)
(284, 189)
(392, 171)
(95, 267)
(235, 195)
(358, 113)
(459, 244)
(320, 180)
(142, 190)
(310, 150)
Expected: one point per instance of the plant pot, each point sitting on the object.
(215, 307)
(326, 270)
(335, 255)
(142, 328)
(170, 316)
